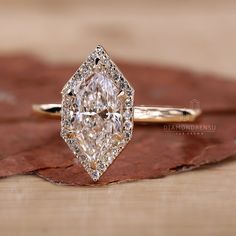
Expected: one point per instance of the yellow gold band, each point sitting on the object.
(142, 114)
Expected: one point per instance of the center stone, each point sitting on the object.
(98, 120)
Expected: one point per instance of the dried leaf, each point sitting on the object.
(30, 144)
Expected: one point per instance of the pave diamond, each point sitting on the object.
(95, 104)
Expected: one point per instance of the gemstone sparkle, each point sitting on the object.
(93, 106)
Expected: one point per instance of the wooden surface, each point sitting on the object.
(197, 34)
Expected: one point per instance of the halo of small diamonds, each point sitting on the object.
(97, 112)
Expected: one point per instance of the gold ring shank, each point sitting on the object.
(142, 114)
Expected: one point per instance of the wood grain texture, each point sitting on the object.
(197, 34)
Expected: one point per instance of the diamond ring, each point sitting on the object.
(98, 113)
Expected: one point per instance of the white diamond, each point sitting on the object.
(96, 105)
(128, 125)
(127, 114)
(98, 120)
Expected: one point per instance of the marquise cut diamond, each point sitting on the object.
(97, 113)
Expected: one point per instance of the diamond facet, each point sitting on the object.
(94, 122)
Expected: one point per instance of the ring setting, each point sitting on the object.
(98, 114)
